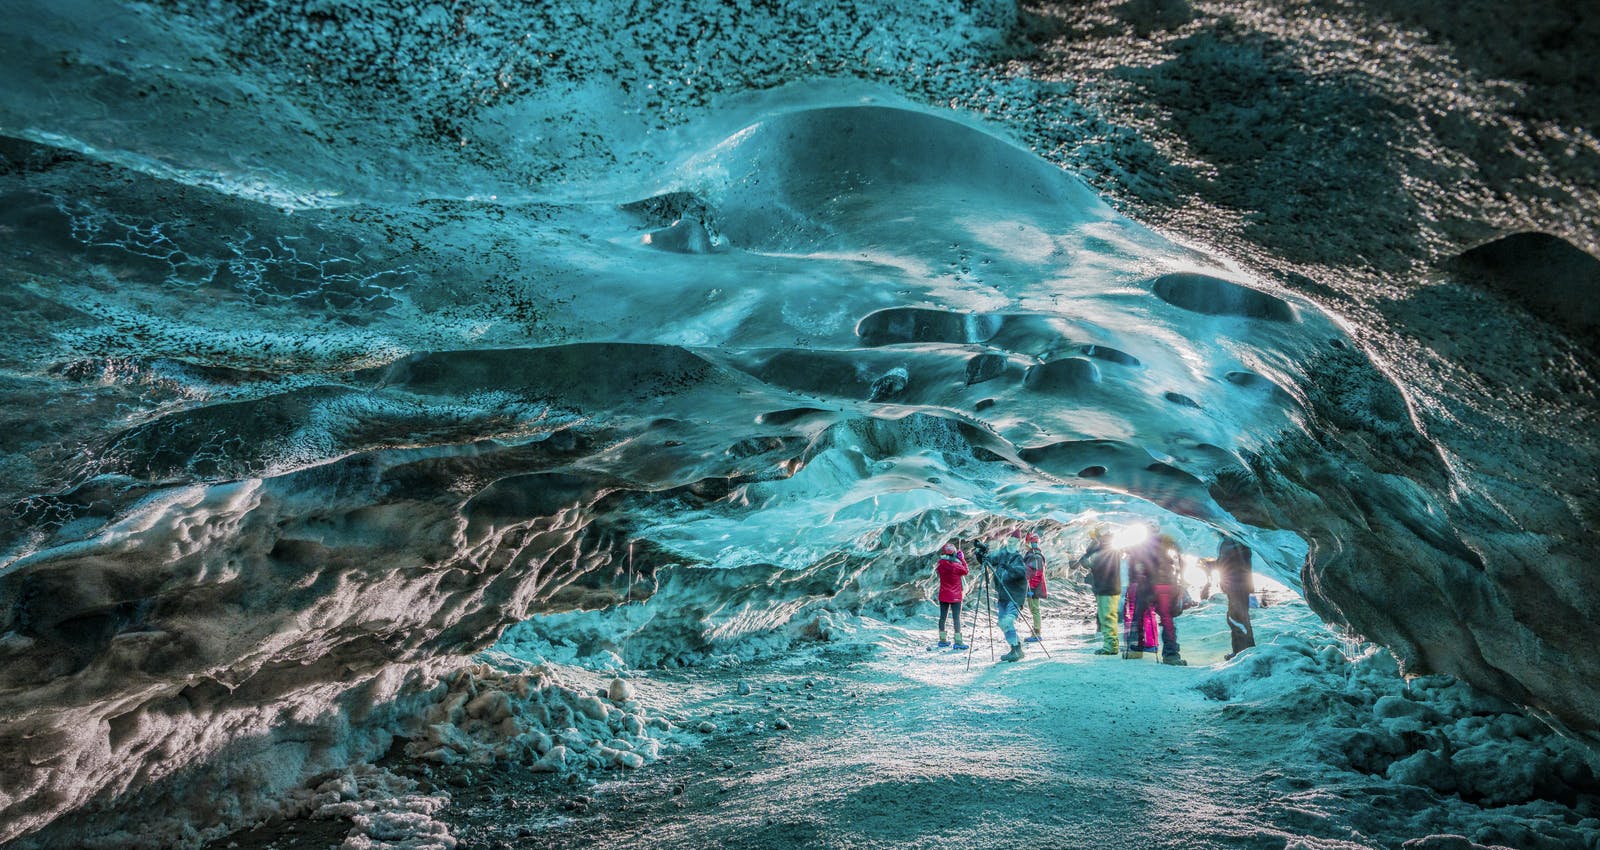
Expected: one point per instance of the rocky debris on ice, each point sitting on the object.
(891, 384)
(486, 714)
(687, 236)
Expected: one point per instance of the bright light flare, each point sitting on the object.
(1194, 574)
(1129, 536)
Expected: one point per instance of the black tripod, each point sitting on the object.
(978, 552)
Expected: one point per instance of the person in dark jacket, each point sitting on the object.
(950, 569)
(1104, 565)
(1033, 562)
(1011, 587)
(1233, 567)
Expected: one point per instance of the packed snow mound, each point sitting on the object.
(1432, 731)
(1470, 757)
(320, 366)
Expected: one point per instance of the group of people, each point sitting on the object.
(1138, 591)
(1018, 577)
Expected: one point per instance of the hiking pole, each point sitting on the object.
(969, 646)
(987, 574)
(969, 656)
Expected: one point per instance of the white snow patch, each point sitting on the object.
(387, 811)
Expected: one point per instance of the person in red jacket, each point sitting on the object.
(1033, 560)
(952, 567)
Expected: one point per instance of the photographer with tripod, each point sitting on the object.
(1010, 577)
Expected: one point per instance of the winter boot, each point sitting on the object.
(958, 644)
(1132, 654)
(1032, 639)
(1014, 655)
(944, 643)
(1174, 660)
(1103, 651)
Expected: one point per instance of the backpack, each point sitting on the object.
(1035, 561)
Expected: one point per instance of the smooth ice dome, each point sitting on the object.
(412, 379)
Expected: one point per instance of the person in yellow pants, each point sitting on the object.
(1104, 564)
(1033, 559)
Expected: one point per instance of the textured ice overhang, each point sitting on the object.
(257, 463)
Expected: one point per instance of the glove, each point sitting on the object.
(1030, 594)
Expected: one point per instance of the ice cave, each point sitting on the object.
(487, 424)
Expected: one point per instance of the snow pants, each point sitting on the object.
(1167, 599)
(953, 611)
(1008, 611)
(1033, 608)
(1106, 611)
(1239, 629)
(1138, 621)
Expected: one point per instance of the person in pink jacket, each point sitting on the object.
(951, 569)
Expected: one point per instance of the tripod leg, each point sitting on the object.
(987, 613)
(969, 652)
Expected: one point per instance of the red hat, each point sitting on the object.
(1015, 532)
(1032, 538)
(949, 549)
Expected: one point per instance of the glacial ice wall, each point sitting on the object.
(338, 338)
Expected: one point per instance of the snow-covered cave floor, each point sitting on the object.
(890, 744)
